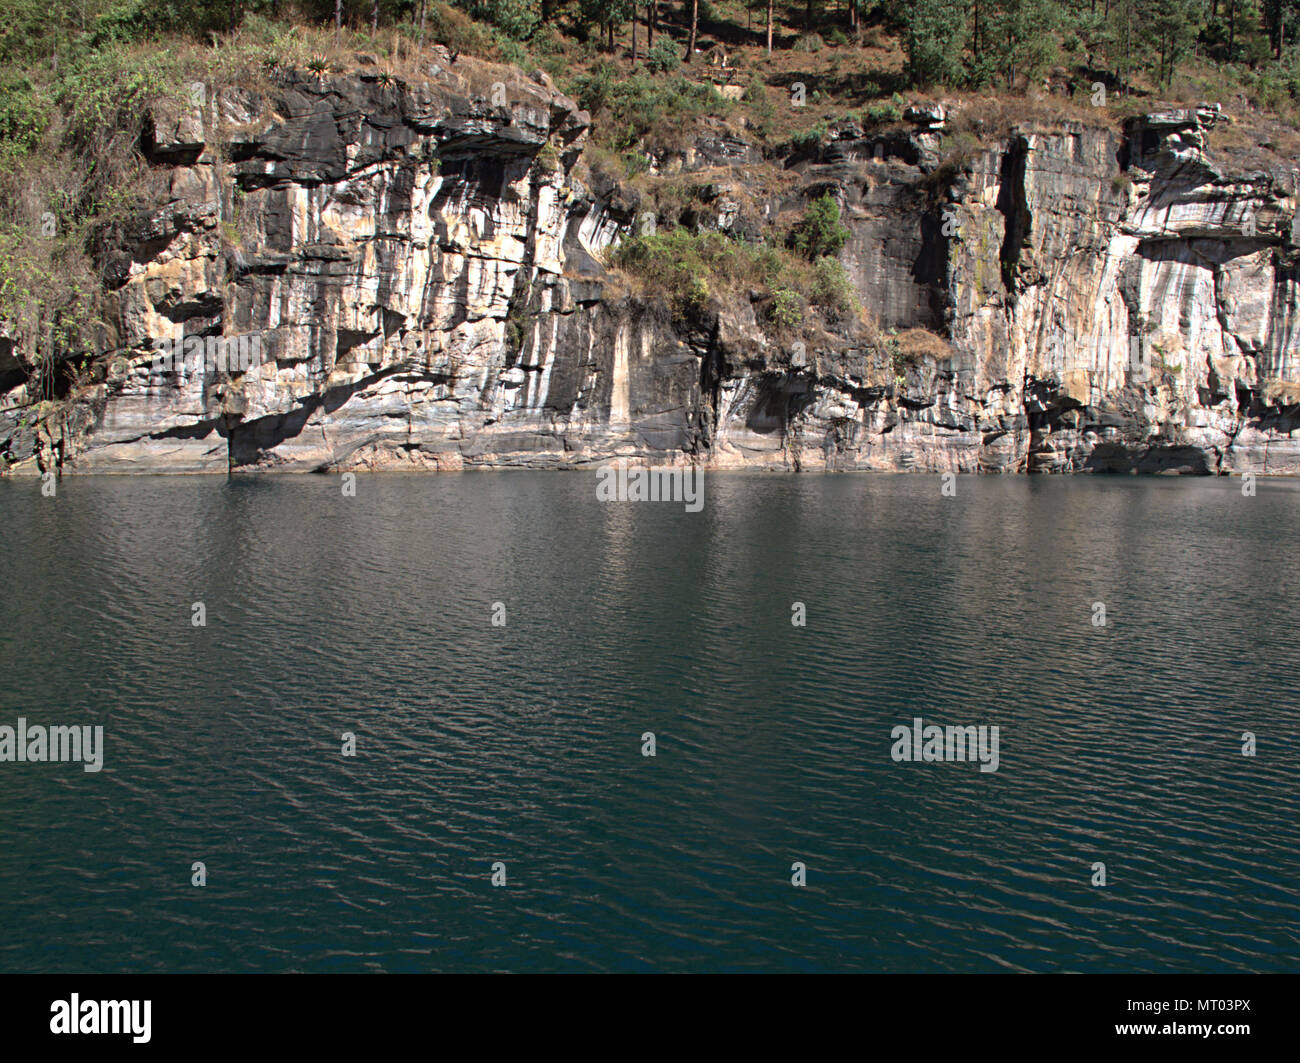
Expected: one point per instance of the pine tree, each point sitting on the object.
(932, 39)
(1020, 34)
(1168, 31)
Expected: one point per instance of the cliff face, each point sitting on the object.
(421, 266)
(1112, 302)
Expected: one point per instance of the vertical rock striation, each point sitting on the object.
(421, 264)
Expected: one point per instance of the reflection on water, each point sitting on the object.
(522, 743)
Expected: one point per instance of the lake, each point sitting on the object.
(500, 644)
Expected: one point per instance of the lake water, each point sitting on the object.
(1120, 744)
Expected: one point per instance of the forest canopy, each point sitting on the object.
(971, 44)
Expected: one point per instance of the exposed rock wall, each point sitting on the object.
(421, 265)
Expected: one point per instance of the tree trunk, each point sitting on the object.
(769, 26)
(634, 33)
(695, 25)
(374, 16)
(1128, 44)
(423, 7)
(338, 17)
(650, 25)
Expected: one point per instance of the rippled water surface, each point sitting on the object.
(522, 744)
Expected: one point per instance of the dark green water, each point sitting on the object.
(522, 744)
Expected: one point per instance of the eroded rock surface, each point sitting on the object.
(422, 267)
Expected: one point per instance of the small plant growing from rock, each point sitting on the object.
(548, 159)
(897, 361)
(820, 231)
(785, 309)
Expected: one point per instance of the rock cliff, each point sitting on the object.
(422, 264)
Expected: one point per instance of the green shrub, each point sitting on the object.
(761, 108)
(456, 30)
(692, 268)
(644, 106)
(786, 309)
(831, 288)
(897, 361)
(979, 71)
(807, 139)
(663, 57)
(516, 19)
(24, 113)
(820, 232)
(679, 262)
(510, 50)
(110, 90)
(882, 113)
(635, 163)
(809, 42)
(548, 158)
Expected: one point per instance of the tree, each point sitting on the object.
(607, 14)
(1020, 31)
(518, 19)
(1168, 31)
(1092, 30)
(1124, 18)
(932, 35)
(820, 231)
(695, 23)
